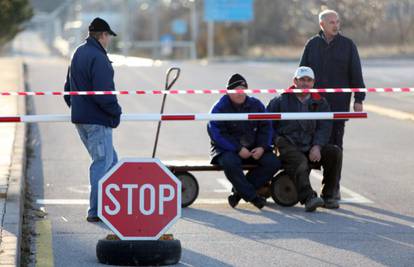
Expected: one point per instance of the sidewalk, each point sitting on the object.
(12, 163)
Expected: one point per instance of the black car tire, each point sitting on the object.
(138, 252)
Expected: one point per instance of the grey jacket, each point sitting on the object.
(302, 133)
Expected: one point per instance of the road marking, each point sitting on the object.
(355, 197)
(50, 201)
(397, 241)
(226, 184)
(388, 112)
(211, 201)
(62, 201)
(84, 189)
(44, 249)
(64, 219)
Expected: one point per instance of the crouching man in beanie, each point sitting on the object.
(94, 116)
(303, 144)
(234, 143)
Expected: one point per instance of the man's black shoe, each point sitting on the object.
(313, 202)
(258, 202)
(93, 219)
(331, 203)
(234, 199)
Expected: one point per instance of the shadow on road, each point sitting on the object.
(356, 228)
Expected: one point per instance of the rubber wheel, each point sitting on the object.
(189, 188)
(283, 190)
(138, 253)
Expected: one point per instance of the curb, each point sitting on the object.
(12, 224)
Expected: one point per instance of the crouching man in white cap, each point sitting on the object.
(303, 144)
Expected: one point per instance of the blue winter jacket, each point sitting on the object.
(336, 65)
(233, 135)
(91, 70)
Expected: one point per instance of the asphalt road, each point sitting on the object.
(373, 227)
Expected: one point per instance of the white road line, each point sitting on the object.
(355, 197)
(62, 201)
(64, 219)
(226, 184)
(211, 201)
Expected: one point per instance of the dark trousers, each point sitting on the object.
(246, 185)
(337, 139)
(337, 134)
(297, 165)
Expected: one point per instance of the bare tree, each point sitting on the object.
(402, 12)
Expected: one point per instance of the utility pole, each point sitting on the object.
(125, 28)
(194, 29)
(155, 28)
(210, 39)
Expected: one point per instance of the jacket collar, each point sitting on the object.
(313, 97)
(92, 41)
(322, 35)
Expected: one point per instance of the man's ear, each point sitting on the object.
(321, 24)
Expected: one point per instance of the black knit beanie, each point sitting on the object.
(235, 81)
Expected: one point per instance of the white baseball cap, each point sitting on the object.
(304, 72)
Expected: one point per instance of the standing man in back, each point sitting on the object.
(94, 116)
(335, 60)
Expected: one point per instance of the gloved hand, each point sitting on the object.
(115, 121)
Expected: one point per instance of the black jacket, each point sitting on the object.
(233, 135)
(91, 70)
(336, 65)
(302, 133)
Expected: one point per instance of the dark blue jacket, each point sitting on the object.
(302, 133)
(91, 70)
(233, 135)
(336, 65)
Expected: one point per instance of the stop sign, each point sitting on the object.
(139, 199)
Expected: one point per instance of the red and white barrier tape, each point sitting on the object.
(201, 117)
(208, 92)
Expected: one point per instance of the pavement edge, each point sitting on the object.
(11, 238)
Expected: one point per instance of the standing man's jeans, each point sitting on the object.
(246, 185)
(98, 141)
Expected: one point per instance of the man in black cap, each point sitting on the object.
(94, 116)
(234, 143)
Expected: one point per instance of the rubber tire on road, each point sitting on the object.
(138, 252)
(189, 188)
(283, 190)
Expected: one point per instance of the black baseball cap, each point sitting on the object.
(100, 25)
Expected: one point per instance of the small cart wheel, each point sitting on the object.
(283, 190)
(189, 188)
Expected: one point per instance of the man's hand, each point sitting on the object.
(315, 154)
(358, 107)
(245, 153)
(257, 153)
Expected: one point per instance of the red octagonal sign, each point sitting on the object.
(139, 199)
